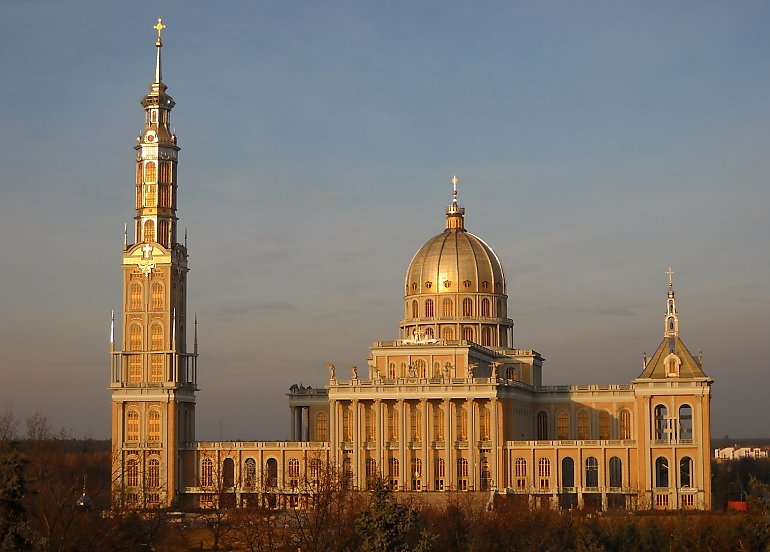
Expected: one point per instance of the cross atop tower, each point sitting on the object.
(159, 27)
(670, 279)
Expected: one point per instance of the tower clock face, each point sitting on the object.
(150, 136)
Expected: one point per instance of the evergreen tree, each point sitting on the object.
(15, 533)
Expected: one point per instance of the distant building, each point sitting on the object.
(450, 405)
(736, 452)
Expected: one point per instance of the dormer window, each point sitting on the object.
(467, 283)
(428, 285)
(485, 284)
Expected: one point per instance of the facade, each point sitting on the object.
(450, 405)
(738, 452)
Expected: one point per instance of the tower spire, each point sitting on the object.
(671, 328)
(455, 214)
(158, 45)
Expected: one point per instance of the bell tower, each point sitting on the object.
(153, 377)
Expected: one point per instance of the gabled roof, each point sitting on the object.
(688, 366)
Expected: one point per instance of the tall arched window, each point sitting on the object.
(486, 337)
(394, 472)
(347, 425)
(150, 171)
(468, 333)
(462, 474)
(616, 472)
(370, 470)
(485, 475)
(440, 474)
(544, 473)
(156, 369)
(584, 425)
(542, 426)
(415, 309)
(467, 306)
(132, 426)
(625, 424)
(135, 296)
(249, 473)
(393, 422)
(661, 472)
(562, 426)
(153, 473)
(415, 422)
(567, 472)
(150, 197)
(156, 336)
(157, 296)
(153, 426)
(132, 472)
(520, 471)
(403, 369)
(320, 426)
(416, 473)
(164, 229)
(462, 423)
(420, 368)
(685, 423)
(207, 472)
(499, 313)
(429, 308)
(135, 337)
(661, 423)
(438, 424)
(293, 468)
(592, 472)
(429, 333)
(446, 307)
(149, 231)
(685, 472)
(315, 471)
(272, 472)
(448, 334)
(485, 423)
(604, 425)
(485, 311)
(134, 369)
(369, 423)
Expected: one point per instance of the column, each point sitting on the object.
(356, 463)
(496, 475)
(425, 475)
(473, 467)
(293, 418)
(448, 456)
(403, 468)
(333, 434)
(379, 436)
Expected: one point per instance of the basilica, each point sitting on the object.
(450, 405)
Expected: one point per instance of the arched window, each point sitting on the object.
(150, 171)
(369, 423)
(625, 424)
(207, 472)
(485, 307)
(419, 366)
(153, 473)
(485, 475)
(153, 426)
(661, 424)
(320, 426)
(403, 369)
(415, 309)
(544, 473)
(132, 472)
(562, 426)
(446, 307)
(486, 337)
(157, 296)
(135, 337)
(156, 369)
(134, 369)
(467, 306)
(685, 423)
(448, 334)
(156, 336)
(604, 425)
(485, 423)
(661, 472)
(394, 472)
(462, 423)
(438, 424)
(440, 474)
(135, 296)
(416, 473)
(584, 425)
(616, 472)
(462, 474)
(228, 473)
(429, 333)
(150, 197)
(249, 473)
(392, 370)
(499, 313)
(415, 422)
(436, 369)
(592, 472)
(370, 467)
(520, 471)
(293, 468)
(567, 472)
(132, 426)
(542, 426)
(393, 423)
(347, 473)
(272, 472)
(149, 231)
(315, 471)
(468, 333)
(685, 472)
(163, 233)
(429, 308)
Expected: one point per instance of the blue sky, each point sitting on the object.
(596, 142)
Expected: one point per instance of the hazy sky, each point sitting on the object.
(596, 142)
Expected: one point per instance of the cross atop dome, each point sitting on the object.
(454, 213)
(455, 182)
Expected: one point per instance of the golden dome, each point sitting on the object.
(455, 261)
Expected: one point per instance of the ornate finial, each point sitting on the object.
(112, 330)
(125, 236)
(173, 328)
(159, 27)
(670, 277)
(195, 339)
(454, 213)
(455, 181)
